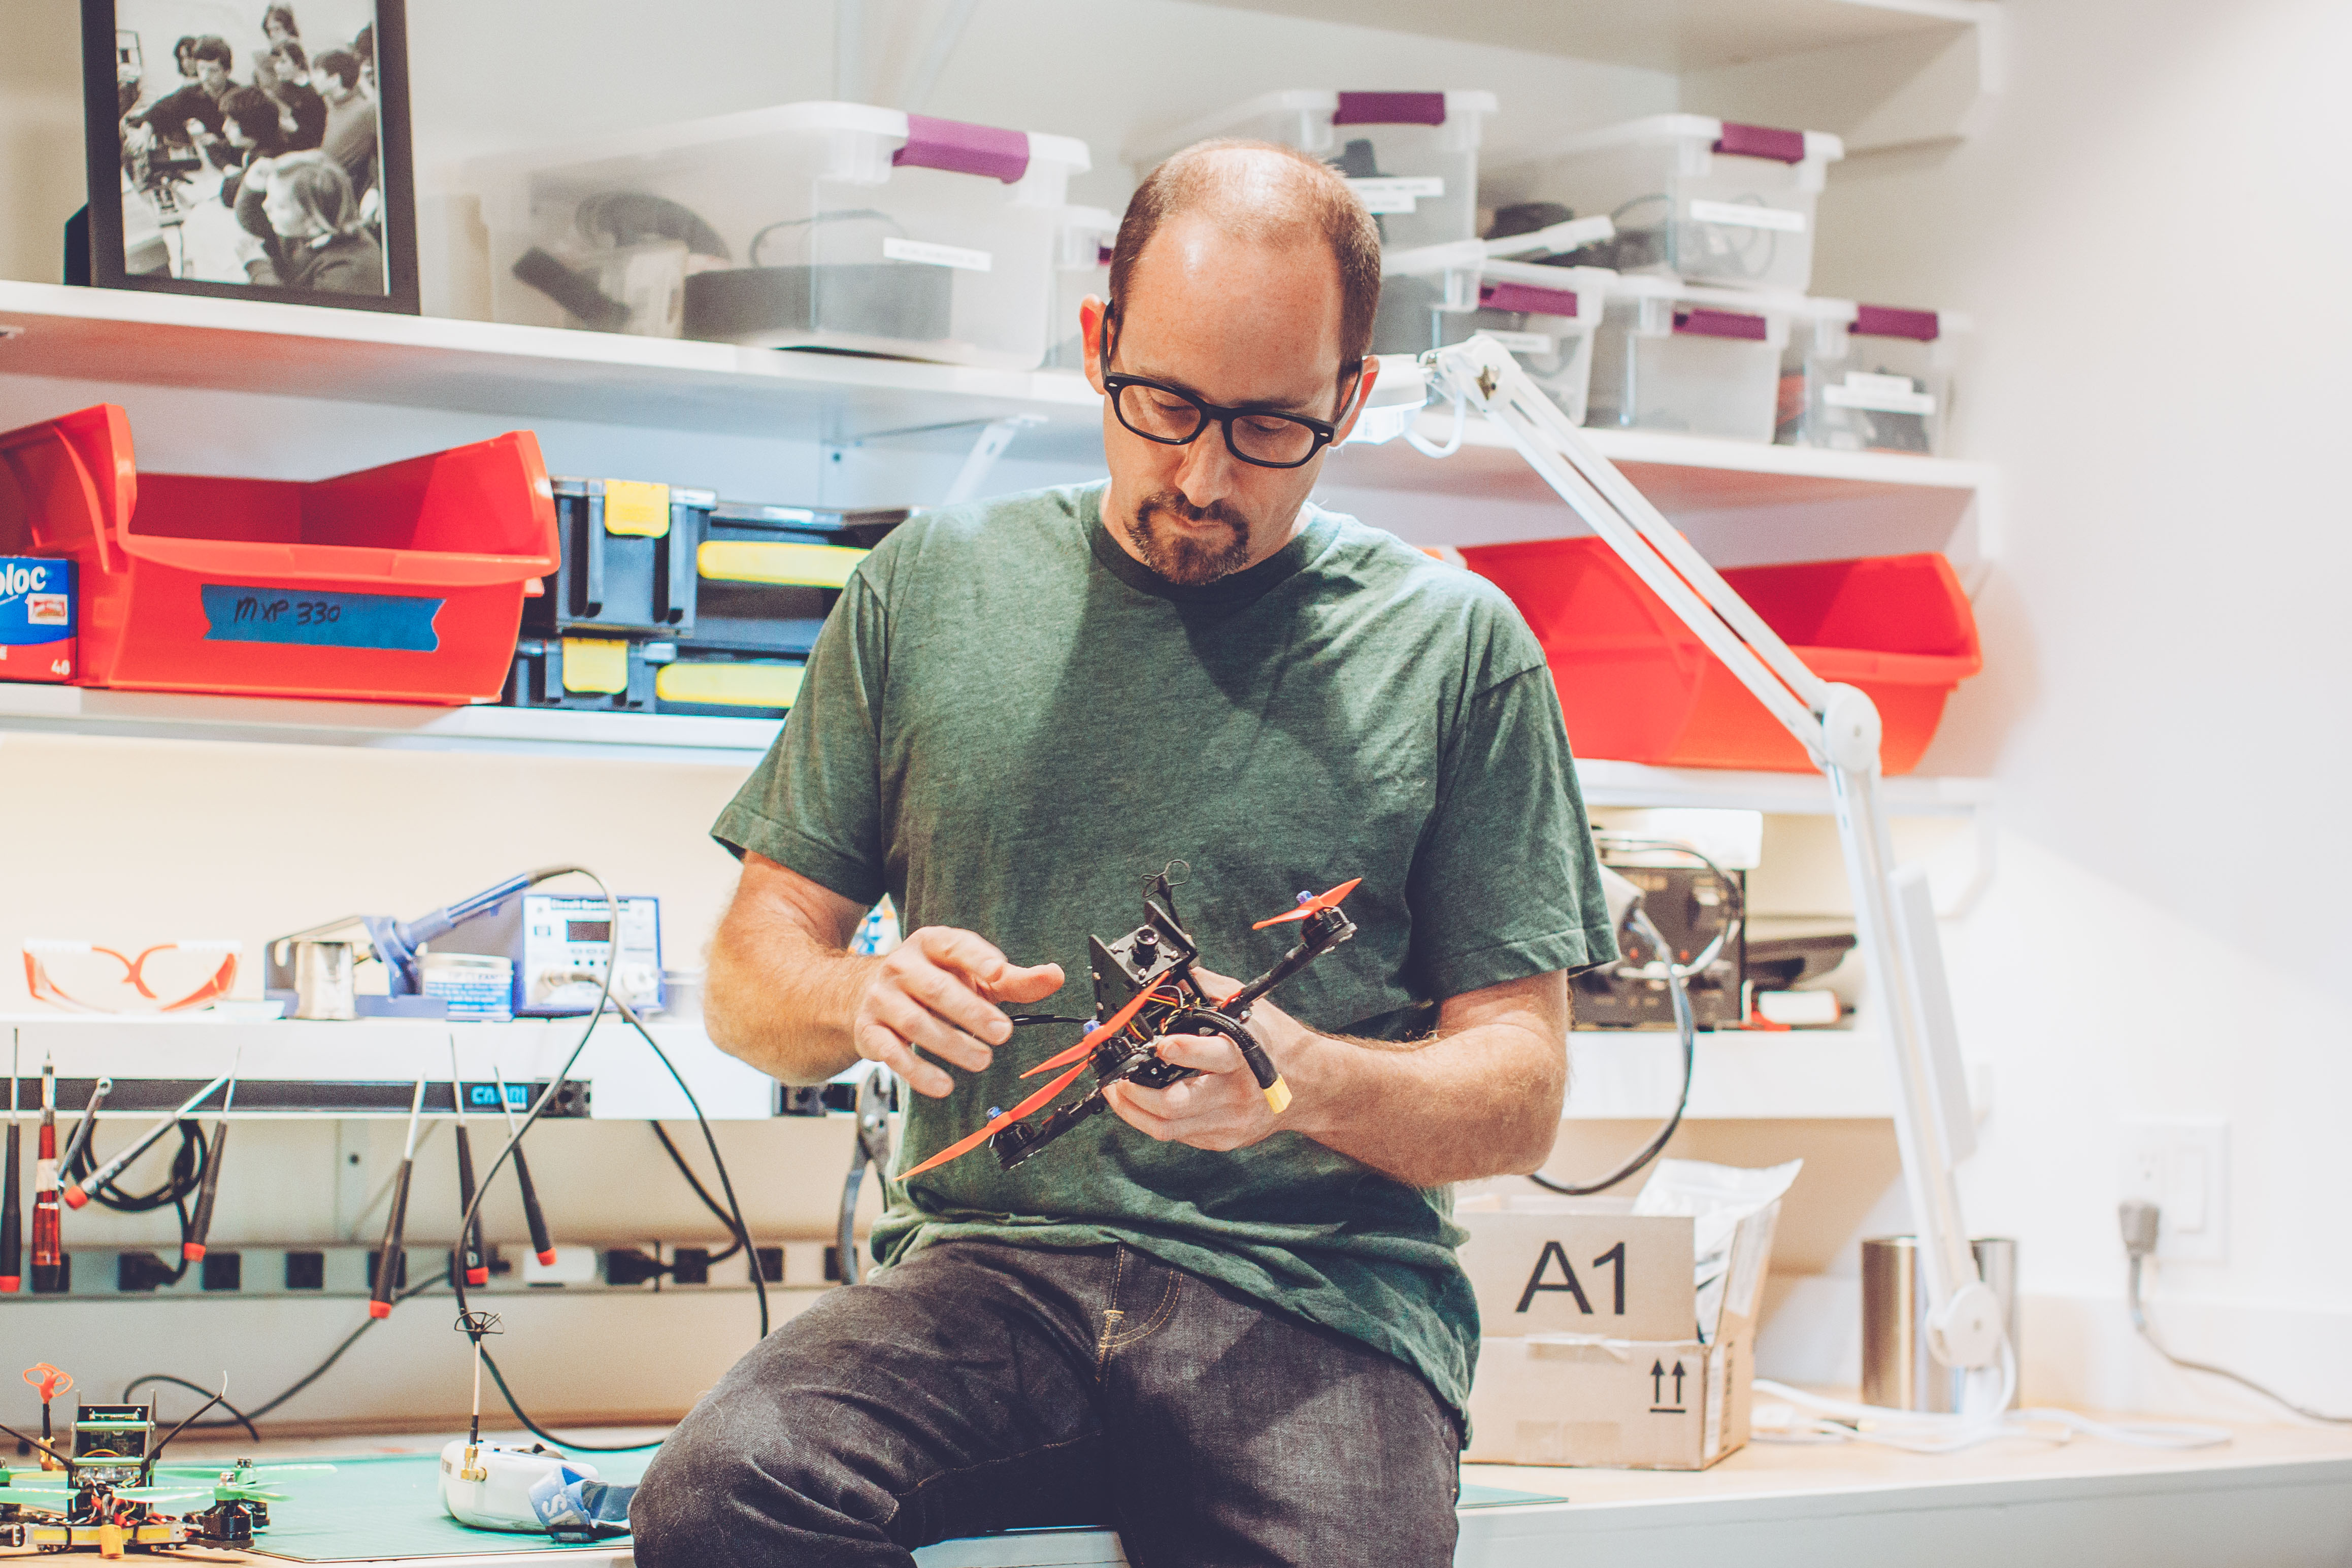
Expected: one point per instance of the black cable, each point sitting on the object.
(187, 1174)
(156, 1452)
(307, 1378)
(708, 1201)
(239, 1418)
(742, 1232)
(1686, 1022)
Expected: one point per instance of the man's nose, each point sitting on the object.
(1208, 472)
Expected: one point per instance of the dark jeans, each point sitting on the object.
(979, 1386)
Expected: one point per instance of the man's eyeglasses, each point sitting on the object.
(1175, 417)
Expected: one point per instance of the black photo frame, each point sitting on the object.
(163, 215)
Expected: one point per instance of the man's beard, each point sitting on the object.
(1188, 561)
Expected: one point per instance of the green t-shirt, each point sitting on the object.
(1008, 724)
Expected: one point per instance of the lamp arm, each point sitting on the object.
(1839, 728)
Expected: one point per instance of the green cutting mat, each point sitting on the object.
(389, 1506)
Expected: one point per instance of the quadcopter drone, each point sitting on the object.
(103, 1493)
(1145, 982)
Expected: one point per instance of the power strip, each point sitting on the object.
(343, 1272)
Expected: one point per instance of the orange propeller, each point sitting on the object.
(1314, 905)
(1095, 1036)
(996, 1124)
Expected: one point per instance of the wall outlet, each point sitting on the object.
(2183, 1168)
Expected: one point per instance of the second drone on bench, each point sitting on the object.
(1146, 982)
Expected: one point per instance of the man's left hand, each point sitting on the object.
(1223, 1108)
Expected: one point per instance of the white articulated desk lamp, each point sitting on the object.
(1839, 728)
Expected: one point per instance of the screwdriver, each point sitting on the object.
(540, 1243)
(388, 1258)
(12, 1218)
(475, 1261)
(81, 1139)
(192, 1249)
(48, 1233)
(78, 1193)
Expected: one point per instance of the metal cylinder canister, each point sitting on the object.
(325, 983)
(1898, 1371)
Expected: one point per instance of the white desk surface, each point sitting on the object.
(2275, 1495)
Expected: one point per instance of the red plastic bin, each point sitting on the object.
(1637, 685)
(403, 583)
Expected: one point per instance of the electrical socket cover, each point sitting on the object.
(2181, 1165)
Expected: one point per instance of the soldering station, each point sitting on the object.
(374, 528)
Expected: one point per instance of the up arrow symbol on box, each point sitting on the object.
(1658, 1381)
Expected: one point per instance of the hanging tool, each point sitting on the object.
(191, 1245)
(388, 1256)
(872, 1148)
(541, 1242)
(78, 1193)
(49, 1230)
(12, 1217)
(87, 1125)
(49, 1381)
(473, 1259)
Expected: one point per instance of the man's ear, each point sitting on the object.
(1092, 312)
(1356, 403)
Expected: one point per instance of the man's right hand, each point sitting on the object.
(936, 995)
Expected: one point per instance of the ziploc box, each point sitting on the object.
(36, 619)
(1592, 1350)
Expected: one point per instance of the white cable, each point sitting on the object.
(1937, 1432)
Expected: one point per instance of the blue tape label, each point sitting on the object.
(236, 613)
(35, 600)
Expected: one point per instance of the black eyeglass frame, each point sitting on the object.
(1325, 431)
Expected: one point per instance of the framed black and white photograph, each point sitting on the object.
(251, 150)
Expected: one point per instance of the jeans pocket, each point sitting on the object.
(1138, 1304)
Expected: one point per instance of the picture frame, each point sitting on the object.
(314, 204)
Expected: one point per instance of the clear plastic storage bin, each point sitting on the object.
(1544, 315)
(1702, 362)
(1081, 266)
(1412, 156)
(823, 225)
(1869, 378)
(1709, 201)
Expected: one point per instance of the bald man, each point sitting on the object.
(1237, 1336)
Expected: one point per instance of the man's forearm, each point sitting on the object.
(1482, 1102)
(780, 999)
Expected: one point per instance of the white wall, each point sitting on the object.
(2163, 703)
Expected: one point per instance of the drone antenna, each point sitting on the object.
(1163, 883)
(37, 1442)
(474, 1325)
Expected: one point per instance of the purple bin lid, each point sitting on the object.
(1887, 321)
(1699, 322)
(1391, 108)
(1761, 142)
(962, 149)
(1532, 299)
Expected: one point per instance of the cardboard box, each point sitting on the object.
(36, 619)
(1595, 1350)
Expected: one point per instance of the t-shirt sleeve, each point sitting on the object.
(814, 803)
(1506, 884)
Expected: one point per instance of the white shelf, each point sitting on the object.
(1740, 1075)
(1828, 1075)
(1687, 35)
(738, 742)
(425, 362)
(1814, 502)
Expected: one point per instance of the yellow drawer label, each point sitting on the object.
(783, 565)
(595, 665)
(729, 685)
(635, 507)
